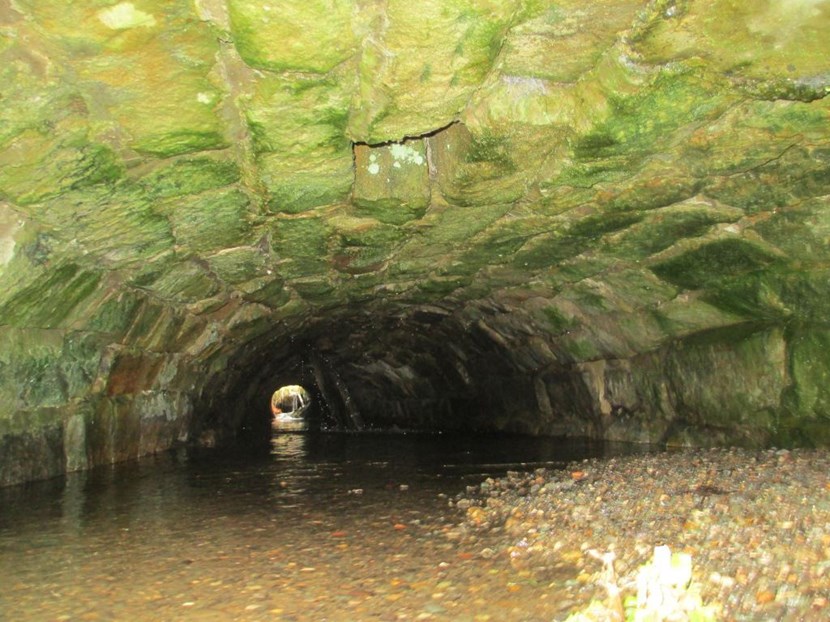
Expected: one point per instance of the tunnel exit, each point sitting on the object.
(289, 408)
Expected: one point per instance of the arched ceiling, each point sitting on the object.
(606, 218)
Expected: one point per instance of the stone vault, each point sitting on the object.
(605, 218)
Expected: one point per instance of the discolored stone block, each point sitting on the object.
(391, 181)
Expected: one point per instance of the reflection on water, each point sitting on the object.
(325, 527)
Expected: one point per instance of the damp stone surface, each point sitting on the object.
(606, 219)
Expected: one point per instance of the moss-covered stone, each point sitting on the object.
(185, 282)
(757, 41)
(189, 176)
(36, 167)
(616, 210)
(265, 33)
(705, 376)
(301, 245)
(237, 265)
(475, 169)
(298, 133)
(453, 46)
(713, 262)
(116, 226)
(211, 221)
(270, 292)
(665, 228)
(50, 298)
(808, 398)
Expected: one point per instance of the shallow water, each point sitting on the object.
(324, 527)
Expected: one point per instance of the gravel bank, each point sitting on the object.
(755, 523)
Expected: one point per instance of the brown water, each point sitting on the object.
(325, 527)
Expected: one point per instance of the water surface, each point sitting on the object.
(324, 527)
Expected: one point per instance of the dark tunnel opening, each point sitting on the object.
(489, 367)
(427, 369)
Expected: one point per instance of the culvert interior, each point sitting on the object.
(607, 220)
(565, 221)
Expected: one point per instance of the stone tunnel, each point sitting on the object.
(604, 219)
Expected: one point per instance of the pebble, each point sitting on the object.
(754, 522)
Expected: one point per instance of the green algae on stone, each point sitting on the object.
(759, 296)
(713, 262)
(237, 265)
(567, 240)
(271, 292)
(314, 289)
(449, 229)
(312, 36)
(665, 227)
(189, 176)
(29, 375)
(297, 114)
(809, 349)
(141, 72)
(805, 293)
(550, 249)
(366, 232)
(559, 321)
(363, 245)
(680, 317)
(461, 39)
(475, 169)
(32, 101)
(782, 179)
(185, 282)
(115, 313)
(443, 285)
(801, 231)
(360, 259)
(301, 245)
(704, 377)
(36, 167)
(498, 244)
(759, 40)
(117, 229)
(298, 184)
(50, 298)
(638, 122)
(298, 136)
(211, 221)
(563, 41)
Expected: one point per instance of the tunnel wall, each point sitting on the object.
(748, 385)
(542, 227)
(745, 385)
(72, 406)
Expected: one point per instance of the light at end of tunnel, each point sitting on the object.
(289, 404)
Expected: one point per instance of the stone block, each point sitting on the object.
(452, 46)
(757, 40)
(475, 169)
(211, 221)
(313, 36)
(31, 455)
(391, 181)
